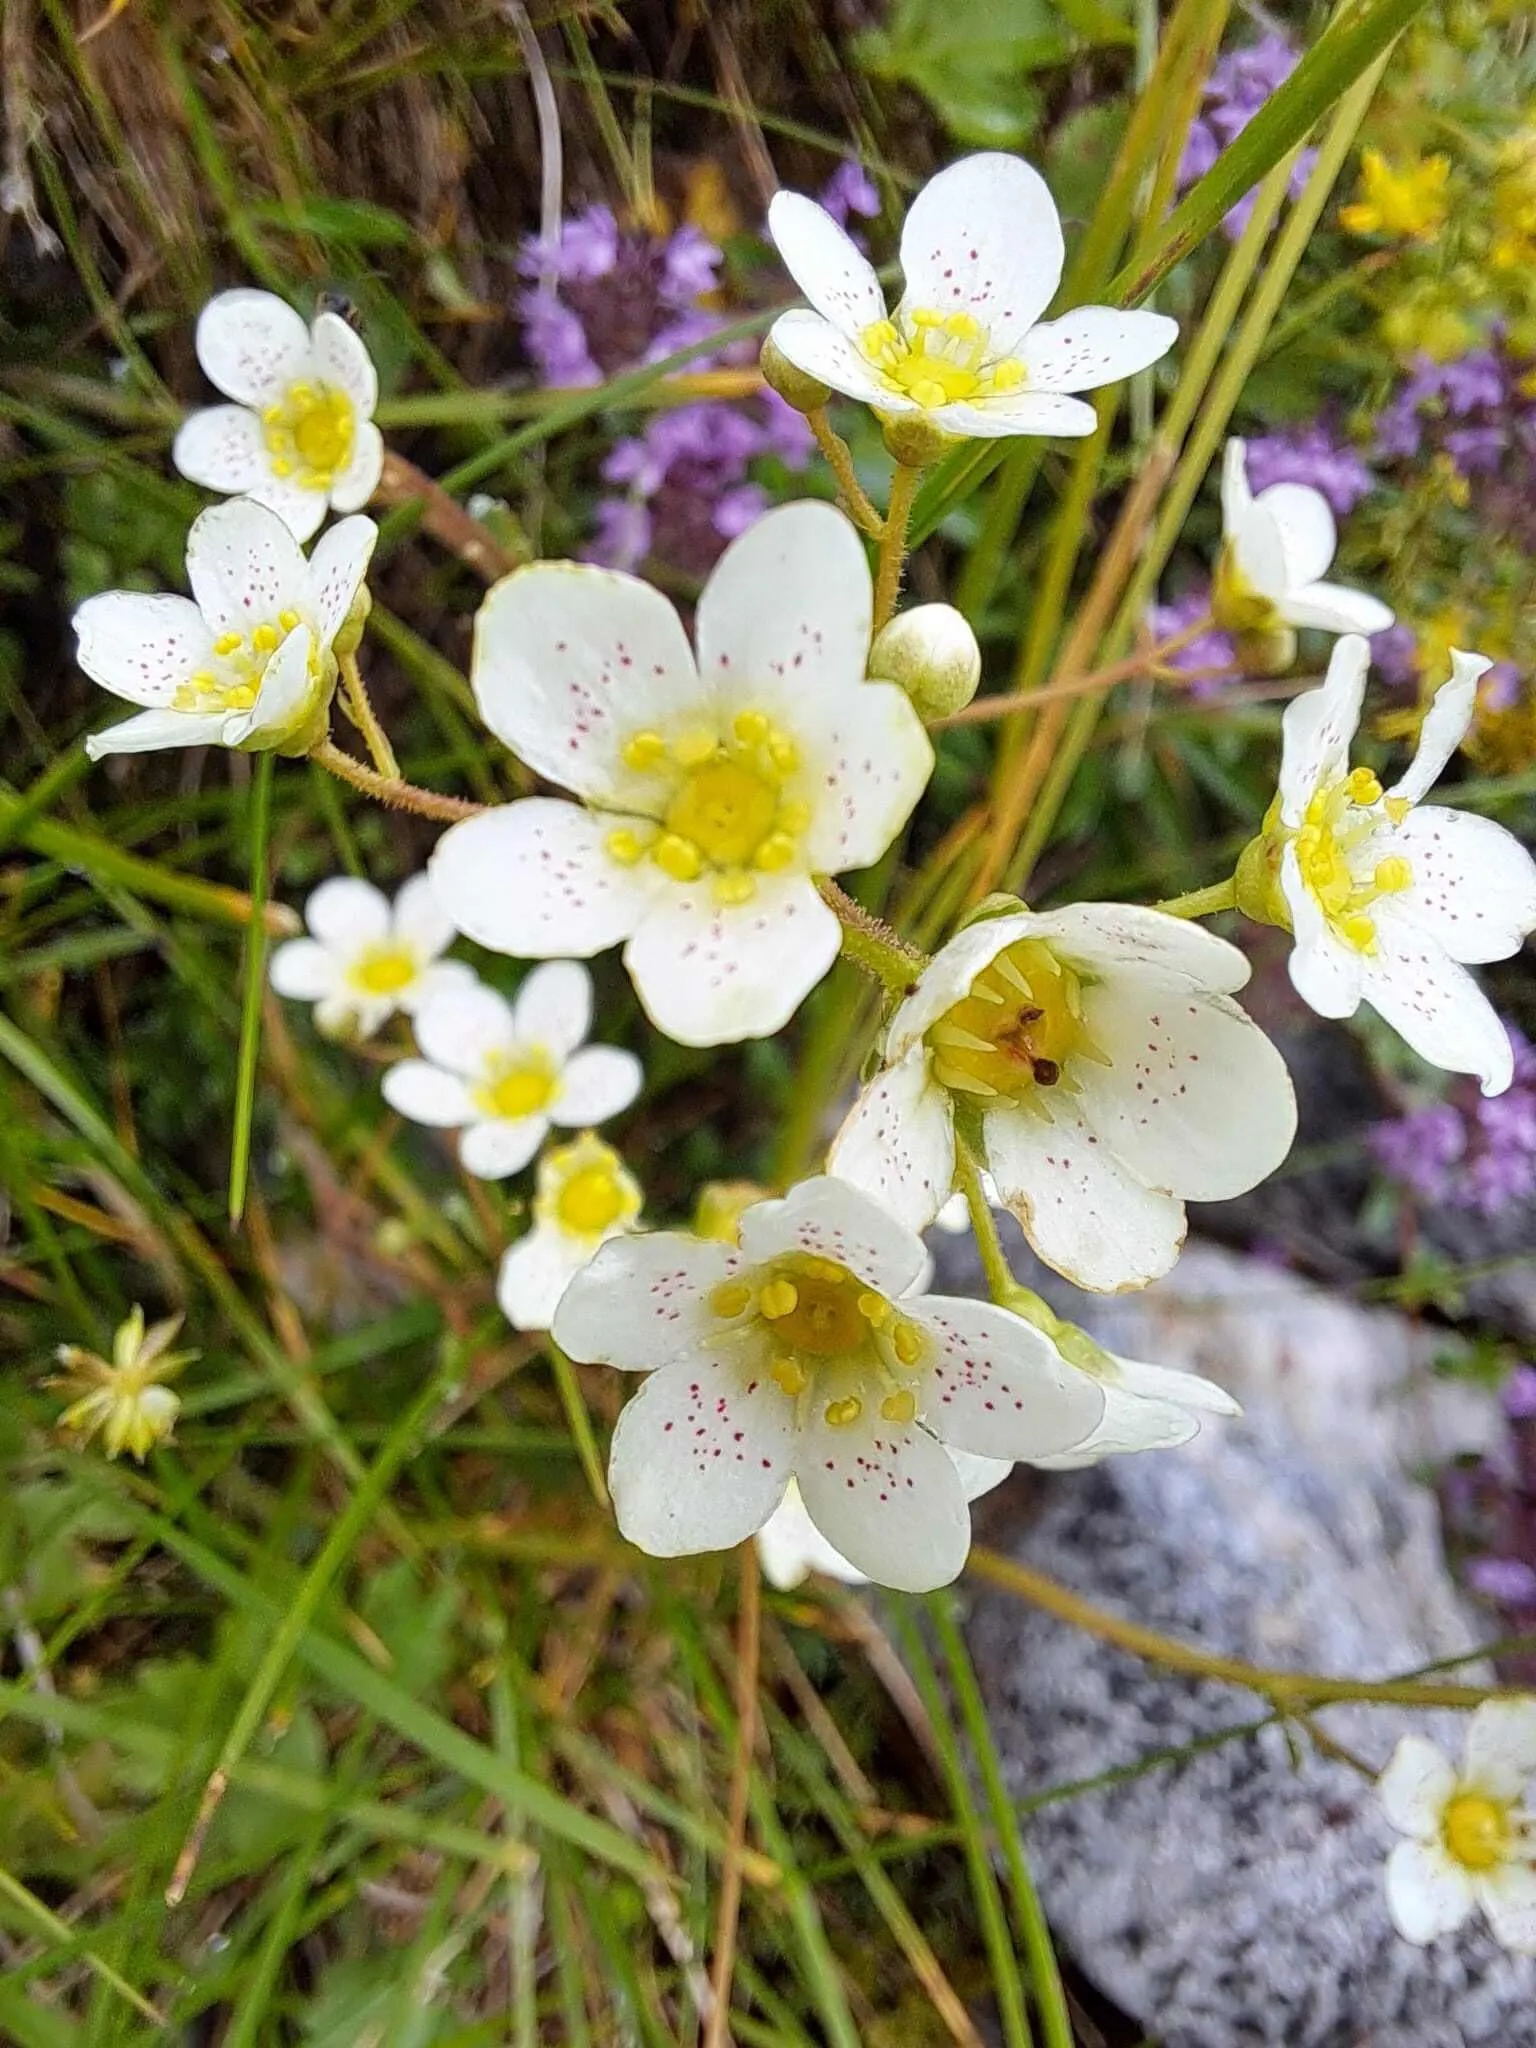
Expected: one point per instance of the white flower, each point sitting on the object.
(710, 792)
(1470, 1842)
(981, 255)
(246, 661)
(931, 651)
(1276, 549)
(365, 959)
(1386, 895)
(125, 1396)
(585, 1196)
(502, 1073)
(809, 1352)
(790, 1546)
(301, 436)
(1109, 1074)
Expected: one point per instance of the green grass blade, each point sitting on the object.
(255, 984)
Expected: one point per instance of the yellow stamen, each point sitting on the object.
(1393, 875)
(899, 1407)
(840, 1413)
(643, 751)
(789, 1374)
(732, 889)
(625, 846)
(875, 1309)
(907, 1342)
(692, 749)
(677, 857)
(731, 1298)
(779, 1298)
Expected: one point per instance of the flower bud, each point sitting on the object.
(1257, 880)
(349, 635)
(931, 652)
(913, 440)
(718, 1211)
(797, 389)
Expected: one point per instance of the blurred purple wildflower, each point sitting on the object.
(1236, 89)
(850, 190)
(632, 297)
(1470, 1152)
(1311, 455)
(1209, 650)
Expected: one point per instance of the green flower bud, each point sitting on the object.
(1257, 879)
(913, 440)
(932, 653)
(795, 387)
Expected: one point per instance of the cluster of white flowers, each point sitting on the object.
(1089, 1064)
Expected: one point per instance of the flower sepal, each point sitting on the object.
(913, 440)
(1257, 877)
(301, 734)
(800, 391)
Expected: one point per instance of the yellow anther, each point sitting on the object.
(288, 619)
(840, 1413)
(1398, 808)
(281, 466)
(1008, 375)
(879, 338)
(1393, 875)
(227, 643)
(733, 889)
(780, 1297)
(927, 391)
(643, 750)
(679, 858)
(926, 316)
(776, 852)
(625, 845)
(874, 1308)
(1363, 787)
(899, 1407)
(693, 748)
(793, 817)
(1359, 931)
(824, 1269)
(963, 326)
(272, 416)
(790, 1375)
(241, 698)
(783, 753)
(750, 727)
(264, 639)
(731, 1298)
(907, 1342)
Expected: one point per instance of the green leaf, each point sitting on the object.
(353, 222)
(972, 61)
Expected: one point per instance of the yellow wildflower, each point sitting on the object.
(124, 1397)
(1514, 205)
(1406, 203)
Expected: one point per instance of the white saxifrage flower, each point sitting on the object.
(1471, 1841)
(966, 349)
(1390, 898)
(300, 437)
(366, 958)
(586, 1196)
(810, 1352)
(709, 792)
(1104, 1071)
(247, 660)
(501, 1073)
(124, 1396)
(791, 1547)
(1276, 549)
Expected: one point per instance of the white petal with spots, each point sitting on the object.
(1094, 346)
(1432, 1002)
(898, 1142)
(1508, 1896)
(222, 448)
(535, 879)
(553, 1007)
(501, 1145)
(1474, 884)
(253, 345)
(141, 647)
(786, 614)
(712, 974)
(1501, 1748)
(821, 350)
(1416, 1787)
(827, 1217)
(535, 1273)
(984, 238)
(887, 1497)
(1445, 725)
(347, 914)
(993, 1384)
(644, 1301)
(866, 761)
(245, 567)
(835, 276)
(1428, 1894)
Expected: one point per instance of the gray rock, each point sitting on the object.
(1235, 1897)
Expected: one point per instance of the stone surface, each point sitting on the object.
(1235, 1897)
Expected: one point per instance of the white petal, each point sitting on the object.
(996, 1385)
(1474, 884)
(837, 278)
(1260, 552)
(535, 1273)
(1325, 972)
(1501, 1748)
(245, 567)
(790, 1546)
(949, 974)
(898, 1142)
(867, 761)
(786, 612)
(1147, 1408)
(1417, 988)
(141, 647)
(1196, 1101)
(709, 974)
(253, 345)
(419, 921)
(535, 879)
(1427, 1893)
(1445, 724)
(438, 978)
(222, 448)
(1307, 532)
(570, 661)
(1335, 608)
(644, 1301)
(344, 362)
(299, 506)
(1094, 346)
(822, 350)
(1317, 728)
(286, 688)
(347, 914)
(501, 1145)
(826, 1216)
(336, 571)
(1508, 1896)
(1108, 938)
(303, 970)
(984, 238)
(1236, 497)
(1017, 412)
(1140, 1381)
(887, 1497)
(428, 1095)
(152, 730)
(351, 1015)
(979, 1475)
(1084, 1213)
(600, 1082)
(357, 481)
(701, 1456)
(463, 1029)
(553, 1008)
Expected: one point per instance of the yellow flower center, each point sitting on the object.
(937, 358)
(309, 434)
(516, 1086)
(726, 813)
(591, 1200)
(1333, 854)
(384, 971)
(585, 1190)
(233, 682)
(1017, 1030)
(1476, 1830)
(834, 1340)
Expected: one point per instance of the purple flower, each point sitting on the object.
(1310, 455)
(1471, 1152)
(623, 536)
(850, 190)
(1476, 451)
(1419, 1150)
(554, 336)
(1507, 1580)
(1520, 1394)
(1208, 650)
(1396, 655)
(1236, 89)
